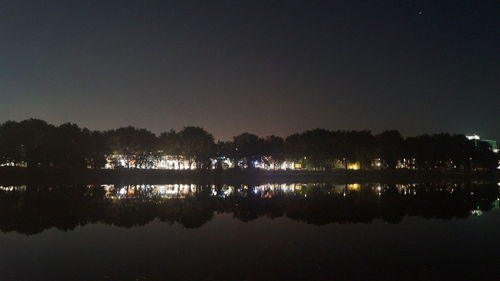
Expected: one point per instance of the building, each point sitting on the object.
(476, 138)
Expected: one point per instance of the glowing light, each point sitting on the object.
(354, 166)
(354, 187)
(476, 212)
(472, 137)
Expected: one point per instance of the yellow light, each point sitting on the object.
(353, 166)
(354, 186)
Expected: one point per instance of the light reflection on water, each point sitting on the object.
(166, 191)
(273, 231)
(11, 188)
(33, 208)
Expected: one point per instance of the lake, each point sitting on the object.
(274, 231)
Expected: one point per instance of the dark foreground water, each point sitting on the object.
(431, 231)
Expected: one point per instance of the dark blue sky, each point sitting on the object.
(260, 66)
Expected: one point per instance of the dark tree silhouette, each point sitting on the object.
(248, 148)
(197, 145)
(36, 144)
(390, 148)
(138, 147)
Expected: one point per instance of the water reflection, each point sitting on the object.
(30, 209)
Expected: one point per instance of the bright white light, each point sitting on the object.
(472, 137)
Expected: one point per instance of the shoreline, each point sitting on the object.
(15, 175)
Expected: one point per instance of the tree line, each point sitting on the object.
(35, 143)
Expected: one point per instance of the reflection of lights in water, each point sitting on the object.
(227, 190)
(264, 190)
(269, 190)
(476, 212)
(13, 188)
(163, 191)
(278, 187)
(182, 190)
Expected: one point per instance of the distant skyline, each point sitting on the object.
(265, 67)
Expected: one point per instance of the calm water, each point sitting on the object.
(289, 231)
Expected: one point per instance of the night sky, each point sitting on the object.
(267, 67)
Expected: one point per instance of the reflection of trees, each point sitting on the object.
(38, 208)
(191, 212)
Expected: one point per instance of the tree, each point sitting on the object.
(11, 146)
(196, 145)
(390, 147)
(97, 149)
(362, 145)
(137, 147)
(273, 150)
(35, 140)
(248, 148)
(69, 148)
(223, 150)
(170, 143)
(317, 148)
